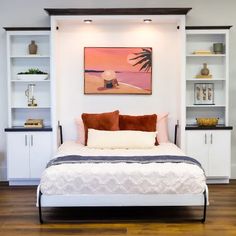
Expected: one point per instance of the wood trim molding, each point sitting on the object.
(208, 27)
(27, 28)
(117, 11)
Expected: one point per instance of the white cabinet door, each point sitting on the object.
(219, 153)
(17, 155)
(197, 147)
(40, 152)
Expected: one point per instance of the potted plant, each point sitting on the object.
(32, 74)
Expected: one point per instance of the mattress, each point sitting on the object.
(122, 178)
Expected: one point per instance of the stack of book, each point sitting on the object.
(204, 76)
(34, 123)
(202, 52)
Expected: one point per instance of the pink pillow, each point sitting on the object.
(80, 130)
(162, 128)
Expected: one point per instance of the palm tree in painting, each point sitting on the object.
(144, 59)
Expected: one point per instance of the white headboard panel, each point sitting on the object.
(70, 98)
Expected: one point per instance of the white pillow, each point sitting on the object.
(120, 139)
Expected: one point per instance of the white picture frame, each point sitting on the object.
(204, 94)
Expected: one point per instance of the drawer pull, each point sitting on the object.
(26, 140)
(205, 139)
(32, 140)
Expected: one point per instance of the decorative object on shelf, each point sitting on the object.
(207, 121)
(32, 74)
(202, 52)
(33, 47)
(218, 48)
(205, 70)
(203, 94)
(34, 123)
(29, 93)
(204, 73)
(122, 70)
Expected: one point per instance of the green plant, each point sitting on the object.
(144, 59)
(33, 71)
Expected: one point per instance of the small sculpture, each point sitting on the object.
(29, 93)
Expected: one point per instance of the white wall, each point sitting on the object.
(30, 13)
(165, 71)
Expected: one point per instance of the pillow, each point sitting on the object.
(102, 121)
(121, 139)
(80, 131)
(141, 123)
(162, 128)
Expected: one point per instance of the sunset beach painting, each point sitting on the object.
(118, 70)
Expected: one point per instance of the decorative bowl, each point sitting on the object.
(207, 121)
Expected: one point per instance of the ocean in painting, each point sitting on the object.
(140, 80)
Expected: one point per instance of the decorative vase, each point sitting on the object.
(205, 70)
(33, 47)
(218, 48)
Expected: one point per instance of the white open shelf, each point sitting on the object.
(206, 55)
(205, 106)
(29, 56)
(31, 81)
(205, 79)
(19, 60)
(217, 64)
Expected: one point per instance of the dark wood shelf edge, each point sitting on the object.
(19, 129)
(117, 11)
(208, 27)
(209, 128)
(27, 28)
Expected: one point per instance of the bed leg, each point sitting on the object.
(40, 208)
(204, 208)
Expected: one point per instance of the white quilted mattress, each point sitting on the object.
(122, 178)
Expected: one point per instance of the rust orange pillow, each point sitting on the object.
(102, 121)
(141, 123)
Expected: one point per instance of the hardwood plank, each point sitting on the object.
(19, 216)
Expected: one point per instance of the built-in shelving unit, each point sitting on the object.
(207, 97)
(203, 39)
(19, 60)
(32, 147)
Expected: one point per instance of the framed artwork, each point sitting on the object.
(204, 94)
(118, 70)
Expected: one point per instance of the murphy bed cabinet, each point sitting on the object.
(207, 97)
(28, 148)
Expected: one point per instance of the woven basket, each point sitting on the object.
(207, 121)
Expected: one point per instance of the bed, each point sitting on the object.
(122, 178)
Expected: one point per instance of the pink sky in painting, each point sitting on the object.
(116, 59)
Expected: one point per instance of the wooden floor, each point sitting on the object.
(19, 216)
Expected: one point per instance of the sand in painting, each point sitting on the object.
(95, 84)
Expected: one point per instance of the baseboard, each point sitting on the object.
(24, 182)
